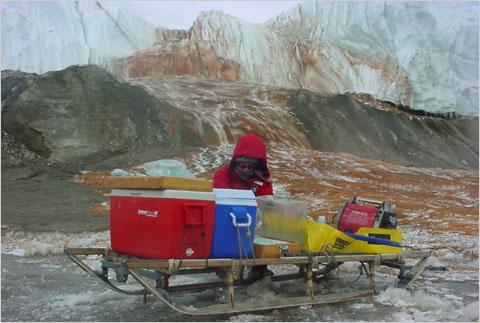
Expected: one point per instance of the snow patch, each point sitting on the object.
(362, 306)
(27, 244)
(422, 306)
(207, 159)
(73, 300)
(471, 312)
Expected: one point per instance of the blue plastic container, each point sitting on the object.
(234, 230)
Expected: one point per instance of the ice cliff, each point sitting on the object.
(420, 54)
(44, 36)
(424, 55)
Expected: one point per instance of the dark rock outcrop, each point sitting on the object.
(344, 124)
(83, 115)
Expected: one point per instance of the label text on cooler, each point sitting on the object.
(151, 214)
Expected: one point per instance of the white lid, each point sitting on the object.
(234, 197)
(230, 193)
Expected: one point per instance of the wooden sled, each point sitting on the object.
(153, 277)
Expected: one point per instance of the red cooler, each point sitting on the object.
(162, 224)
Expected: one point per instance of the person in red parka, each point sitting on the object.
(247, 170)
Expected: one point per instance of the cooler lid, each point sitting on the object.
(235, 197)
(231, 193)
(175, 194)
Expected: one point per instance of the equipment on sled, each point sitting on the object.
(360, 212)
(283, 218)
(162, 224)
(235, 214)
(162, 232)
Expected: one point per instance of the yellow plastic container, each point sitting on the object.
(286, 219)
(321, 236)
(283, 227)
(316, 237)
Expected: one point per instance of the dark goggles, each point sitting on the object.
(245, 165)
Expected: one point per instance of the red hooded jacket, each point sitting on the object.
(226, 177)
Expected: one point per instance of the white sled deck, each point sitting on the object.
(153, 276)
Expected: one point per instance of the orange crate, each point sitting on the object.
(270, 248)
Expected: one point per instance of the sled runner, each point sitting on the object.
(153, 277)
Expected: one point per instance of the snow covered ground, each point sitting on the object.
(50, 287)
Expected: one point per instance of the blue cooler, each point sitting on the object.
(235, 212)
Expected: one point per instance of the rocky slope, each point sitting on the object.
(83, 115)
(342, 123)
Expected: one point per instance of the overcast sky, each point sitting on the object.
(181, 14)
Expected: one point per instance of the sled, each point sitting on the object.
(153, 277)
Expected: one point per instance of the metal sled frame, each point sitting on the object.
(311, 268)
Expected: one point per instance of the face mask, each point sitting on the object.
(243, 174)
(245, 167)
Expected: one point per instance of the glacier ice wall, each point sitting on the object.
(420, 54)
(41, 36)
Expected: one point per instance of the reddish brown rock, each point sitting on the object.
(178, 57)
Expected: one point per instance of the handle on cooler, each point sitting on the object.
(234, 220)
(191, 218)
